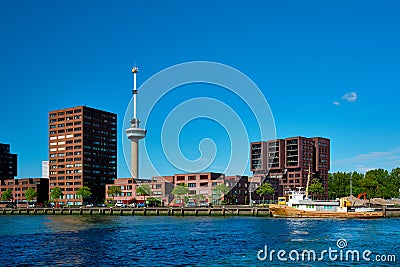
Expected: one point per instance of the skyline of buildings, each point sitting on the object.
(83, 152)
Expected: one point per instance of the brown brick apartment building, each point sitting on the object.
(18, 188)
(289, 160)
(82, 151)
(239, 193)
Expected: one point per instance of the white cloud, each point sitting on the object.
(350, 97)
(336, 103)
(365, 162)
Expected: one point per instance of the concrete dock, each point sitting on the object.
(150, 211)
(158, 211)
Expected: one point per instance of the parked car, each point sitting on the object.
(89, 205)
(204, 204)
(190, 204)
(121, 205)
(101, 205)
(132, 205)
(141, 205)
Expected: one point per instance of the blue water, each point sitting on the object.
(189, 241)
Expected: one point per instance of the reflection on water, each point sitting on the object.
(162, 241)
(77, 223)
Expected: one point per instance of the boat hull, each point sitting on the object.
(289, 212)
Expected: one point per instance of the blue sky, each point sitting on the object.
(303, 55)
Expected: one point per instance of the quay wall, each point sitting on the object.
(156, 211)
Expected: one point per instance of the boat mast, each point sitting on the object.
(308, 180)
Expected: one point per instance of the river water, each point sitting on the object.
(194, 241)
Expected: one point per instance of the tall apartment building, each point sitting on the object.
(82, 151)
(8, 163)
(289, 160)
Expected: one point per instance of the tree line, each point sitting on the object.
(378, 183)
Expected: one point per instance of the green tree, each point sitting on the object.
(199, 198)
(114, 191)
(265, 189)
(155, 202)
(180, 190)
(316, 187)
(143, 190)
(30, 195)
(7, 195)
(395, 183)
(370, 186)
(83, 192)
(56, 193)
(221, 189)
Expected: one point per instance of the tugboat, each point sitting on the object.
(297, 205)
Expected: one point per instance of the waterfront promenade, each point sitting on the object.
(158, 211)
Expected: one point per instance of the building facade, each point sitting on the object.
(45, 169)
(82, 151)
(239, 190)
(200, 184)
(8, 163)
(160, 186)
(18, 188)
(258, 157)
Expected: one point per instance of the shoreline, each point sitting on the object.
(159, 211)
